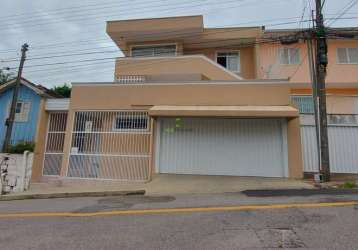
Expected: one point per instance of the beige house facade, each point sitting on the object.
(185, 100)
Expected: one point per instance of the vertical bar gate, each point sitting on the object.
(55, 138)
(110, 145)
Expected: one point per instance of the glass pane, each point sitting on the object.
(169, 50)
(18, 107)
(294, 56)
(342, 55)
(142, 51)
(283, 53)
(222, 61)
(353, 55)
(233, 63)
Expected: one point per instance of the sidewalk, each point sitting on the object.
(162, 184)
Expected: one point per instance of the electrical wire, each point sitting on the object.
(345, 9)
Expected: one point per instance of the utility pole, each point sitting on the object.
(312, 66)
(321, 70)
(11, 119)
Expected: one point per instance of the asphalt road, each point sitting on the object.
(328, 227)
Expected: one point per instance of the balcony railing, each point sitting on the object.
(130, 79)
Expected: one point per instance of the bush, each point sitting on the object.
(349, 185)
(21, 147)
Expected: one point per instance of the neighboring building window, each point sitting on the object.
(289, 56)
(349, 120)
(304, 103)
(347, 55)
(148, 51)
(22, 111)
(229, 60)
(132, 122)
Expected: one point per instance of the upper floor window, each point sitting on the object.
(149, 51)
(229, 60)
(347, 55)
(289, 56)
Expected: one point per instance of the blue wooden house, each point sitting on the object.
(27, 109)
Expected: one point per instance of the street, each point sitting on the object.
(181, 222)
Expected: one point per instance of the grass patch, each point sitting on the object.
(349, 185)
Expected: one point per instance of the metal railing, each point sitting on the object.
(110, 145)
(130, 79)
(55, 139)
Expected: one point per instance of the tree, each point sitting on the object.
(5, 77)
(63, 90)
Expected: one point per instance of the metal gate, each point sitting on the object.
(55, 138)
(343, 144)
(110, 145)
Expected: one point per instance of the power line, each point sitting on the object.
(152, 8)
(272, 40)
(60, 10)
(344, 11)
(177, 34)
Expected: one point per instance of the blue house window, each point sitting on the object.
(304, 103)
(22, 111)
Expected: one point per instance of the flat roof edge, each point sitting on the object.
(268, 82)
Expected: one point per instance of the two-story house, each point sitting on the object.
(282, 61)
(193, 100)
(185, 100)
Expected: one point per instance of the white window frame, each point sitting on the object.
(347, 54)
(114, 124)
(289, 56)
(229, 51)
(20, 117)
(152, 45)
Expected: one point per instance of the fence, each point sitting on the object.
(110, 145)
(343, 143)
(55, 139)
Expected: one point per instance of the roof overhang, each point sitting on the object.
(186, 29)
(224, 111)
(42, 91)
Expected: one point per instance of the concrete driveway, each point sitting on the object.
(170, 184)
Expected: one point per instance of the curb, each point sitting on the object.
(70, 195)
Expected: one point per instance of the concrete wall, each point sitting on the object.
(139, 96)
(173, 66)
(19, 171)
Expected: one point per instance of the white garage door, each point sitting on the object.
(209, 146)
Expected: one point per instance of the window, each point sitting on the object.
(131, 122)
(348, 120)
(289, 56)
(305, 104)
(148, 51)
(229, 60)
(22, 110)
(347, 55)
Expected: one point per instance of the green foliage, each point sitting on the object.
(5, 77)
(349, 185)
(63, 90)
(21, 147)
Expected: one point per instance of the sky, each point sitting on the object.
(65, 37)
